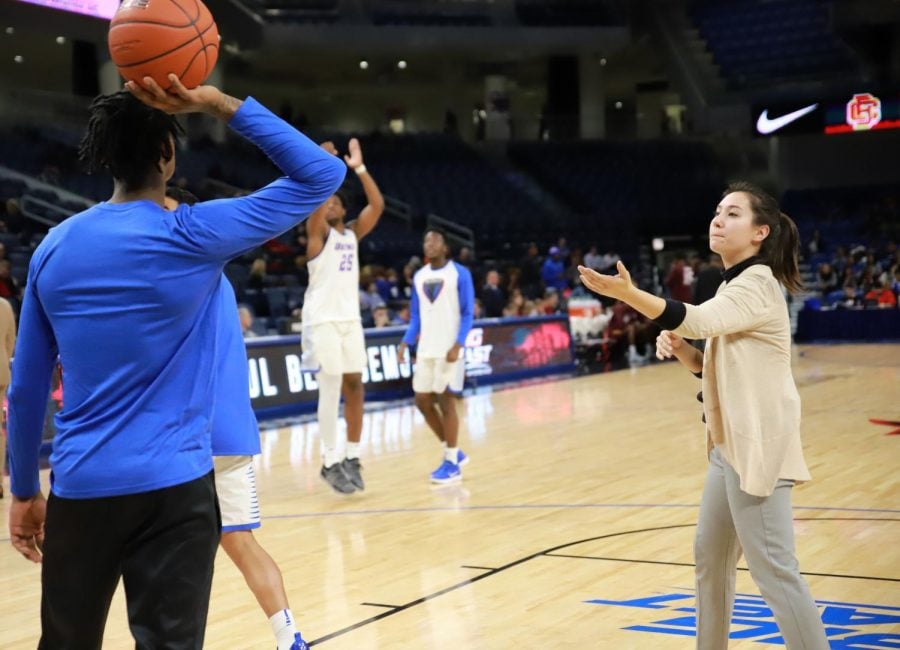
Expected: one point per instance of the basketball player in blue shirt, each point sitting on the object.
(443, 302)
(235, 440)
(125, 295)
(333, 341)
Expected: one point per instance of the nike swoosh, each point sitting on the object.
(765, 125)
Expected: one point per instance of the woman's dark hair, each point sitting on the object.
(127, 138)
(781, 248)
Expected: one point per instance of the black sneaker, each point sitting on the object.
(351, 467)
(336, 478)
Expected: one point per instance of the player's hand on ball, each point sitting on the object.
(202, 99)
(354, 159)
(666, 344)
(614, 286)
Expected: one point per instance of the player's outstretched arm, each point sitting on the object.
(368, 218)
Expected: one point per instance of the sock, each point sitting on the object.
(444, 444)
(452, 454)
(330, 456)
(284, 628)
(632, 351)
(327, 410)
(352, 450)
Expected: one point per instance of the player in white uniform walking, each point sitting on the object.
(441, 311)
(333, 342)
(235, 440)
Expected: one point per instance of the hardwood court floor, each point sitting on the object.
(578, 490)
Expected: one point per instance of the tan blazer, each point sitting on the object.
(750, 400)
(7, 340)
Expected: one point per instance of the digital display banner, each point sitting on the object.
(854, 113)
(496, 350)
(98, 8)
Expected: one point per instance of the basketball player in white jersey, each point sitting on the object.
(333, 341)
(443, 302)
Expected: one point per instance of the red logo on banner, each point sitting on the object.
(863, 111)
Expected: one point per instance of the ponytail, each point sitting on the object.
(782, 253)
(780, 250)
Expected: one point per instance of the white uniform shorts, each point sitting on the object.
(334, 348)
(236, 488)
(439, 375)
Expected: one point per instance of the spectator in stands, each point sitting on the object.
(816, 245)
(866, 280)
(530, 277)
(553, 272)
(826, 279)
(680, 280)
(388, 285)
(401, 313)
(477, 309)
(593, 259)
(709, 278)
(369, 299)
(851, 299)
(550, 303)
(880, 296)
(895, 281)
(492, 296)
(2, 251)
(7, 347)
(381, 317)
(609, 261)
(627, 326)
(575, 260)
(14, 219)
(246, 316)
(9, 288)
(563, 245)
(515, 305)
(257, 279)
(466, 258)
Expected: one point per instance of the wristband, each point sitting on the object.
(360, 170)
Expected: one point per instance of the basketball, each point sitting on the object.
(155, 38)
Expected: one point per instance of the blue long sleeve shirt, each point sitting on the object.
(235, 431)
(125, 295)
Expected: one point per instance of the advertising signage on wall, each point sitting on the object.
(496, 350)
(98, 8)
(857, 112)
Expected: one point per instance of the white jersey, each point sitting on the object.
(442, 309)
(333, 292)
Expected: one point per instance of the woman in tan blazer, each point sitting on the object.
(7, 347)
(752, 414)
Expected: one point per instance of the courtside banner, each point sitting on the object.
(496, 350)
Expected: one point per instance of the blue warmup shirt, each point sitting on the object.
(125, 295)
(235, 431)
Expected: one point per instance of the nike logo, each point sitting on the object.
(765, 125)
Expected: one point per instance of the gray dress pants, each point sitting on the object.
(732, 521)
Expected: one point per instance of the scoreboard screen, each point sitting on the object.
(856, 113)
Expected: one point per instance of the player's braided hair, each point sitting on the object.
(127, 138)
